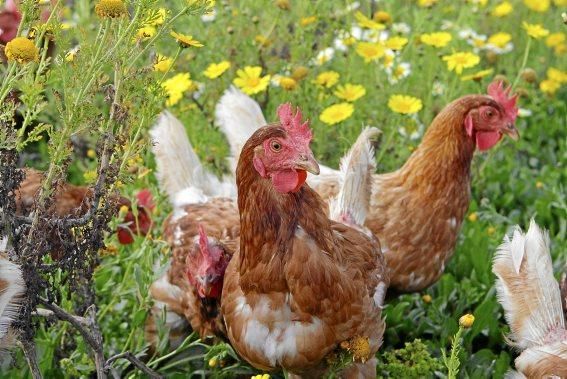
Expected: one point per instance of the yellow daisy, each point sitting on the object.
(477, 75)
(176, 86)
(336, 113)
(365, 22)
(538, 5)
(555, 39)
(404, 104)
(214, 70)
(370, 51)
(396, 43)
(460, 60)
(426, 3)
(500, 39)
(535, 30)
(327, 79)
(437, 39)
(163, 63)
(503, 9)
(304, 21)
(557, 75)
(350, 92)
(288, 83)
(382, 17)
(250, 81)
(186, 41)
(110, 9)
(145, 32)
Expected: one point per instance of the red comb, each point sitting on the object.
(502, 96)
(293, 123)
(203, 240)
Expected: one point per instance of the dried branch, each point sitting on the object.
(135, 361)
(28, 346)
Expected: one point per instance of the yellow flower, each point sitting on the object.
(473, 217)
(365, 22)
(185, 41)
(426, 298)
(214, 70)
(499, 39)
(90, 176)
(359, 347)
(110, 9)
(404, 104)
(370, 51)
(539, 184)
(426, 3)
(163, 63)
(299, 73)
(91, 153)
(327, 79)
(437, 39)
(477, 75)
(350, 92)
(560, 49)
(503, 9)
(261, 376)
(382, 17)
(537, 5)
(288, 83)
(176, 86)
(161, 15)
(560, 3)
(466, 321)
(491, 230)
(283, 4)
(336, 113)
(555, 39)
(145, 32)
(535, 30)
(396, 43)
(459, 61)
(250, 81)
(71, 54)
(262, 41)
(213, 362)
(549, 86)
(304, 21)
(557, 75)
(21, 50)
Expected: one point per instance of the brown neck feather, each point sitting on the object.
(446, 149)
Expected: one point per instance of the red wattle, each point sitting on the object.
(485, 140)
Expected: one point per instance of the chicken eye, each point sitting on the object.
(489, 113)
(275, 146)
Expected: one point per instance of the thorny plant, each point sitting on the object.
(103, 92)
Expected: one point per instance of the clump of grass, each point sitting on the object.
(412, 361)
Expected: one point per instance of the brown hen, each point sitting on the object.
(300, 284)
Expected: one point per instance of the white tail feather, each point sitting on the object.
(12, 289)
(355, 181)
(544, 361)
(178, 166)
(530, 295)
(238, 116)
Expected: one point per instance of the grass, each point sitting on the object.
(511, 184)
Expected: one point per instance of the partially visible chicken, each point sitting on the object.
(10, 18)
(531, 300)
(416, 211)
(74, 201)
(202, 232)
(12, 289)
(300, 284)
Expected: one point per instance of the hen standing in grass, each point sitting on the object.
(202, 232)
(300, 284)
(416, 211)
(532, 303)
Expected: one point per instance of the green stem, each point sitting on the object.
(524, 62)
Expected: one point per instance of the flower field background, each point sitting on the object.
(389, 64)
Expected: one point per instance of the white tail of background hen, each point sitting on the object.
(355, 181)
(531, 300)
(179, 170)
(12, 289)
(238, 116)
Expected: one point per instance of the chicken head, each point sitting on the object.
(286, 159)
(487, 124)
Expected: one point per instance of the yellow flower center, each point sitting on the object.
(110, 9)
(21, 50)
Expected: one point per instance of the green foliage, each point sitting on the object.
(411, 361)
